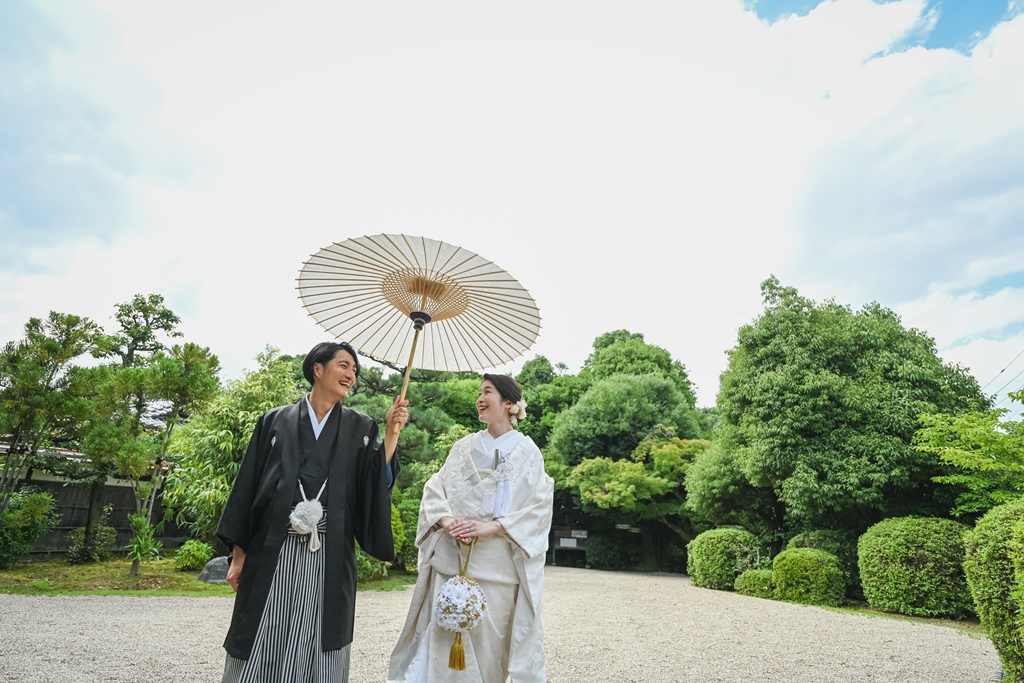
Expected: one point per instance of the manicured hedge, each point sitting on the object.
(913, 565)
(994, 564)
(808, 576)
(716, 556)
(842, 544)
(756, 583)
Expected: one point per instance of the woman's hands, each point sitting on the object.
(235, 569)
(466, 530)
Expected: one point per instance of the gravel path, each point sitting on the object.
(600, 627)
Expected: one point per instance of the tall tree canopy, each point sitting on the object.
(626, 353)
(819, 404)
(617, 413)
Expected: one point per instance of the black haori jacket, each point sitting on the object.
(358, 504)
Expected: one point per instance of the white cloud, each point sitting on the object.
(638, 166)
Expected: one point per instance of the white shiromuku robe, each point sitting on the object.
(510, 569)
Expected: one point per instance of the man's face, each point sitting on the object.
(337, 376)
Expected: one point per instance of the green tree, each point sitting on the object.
(142, 322)
(645, 488)
(617, 414)
(43, 395)
(821, 404)
(210, 447)
(546, 402)
(536, 372)
(629, 354)
(985, 452)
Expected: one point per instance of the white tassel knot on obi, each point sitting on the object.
(306, 515)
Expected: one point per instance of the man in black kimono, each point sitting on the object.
(295, 606)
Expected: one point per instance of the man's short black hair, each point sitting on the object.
(323, 353)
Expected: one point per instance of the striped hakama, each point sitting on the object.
(288, 643)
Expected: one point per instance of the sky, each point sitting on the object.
(641, 165)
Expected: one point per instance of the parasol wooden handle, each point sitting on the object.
(408, 371)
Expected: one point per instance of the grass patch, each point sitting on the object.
(157, 577)
(971, 627)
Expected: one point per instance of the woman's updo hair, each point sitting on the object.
(506, 386)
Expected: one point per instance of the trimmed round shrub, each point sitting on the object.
(808, 576)
(842, 544)
(914, 565)
(193, 555)
(756, 583)
(994, 565)
(715, 557)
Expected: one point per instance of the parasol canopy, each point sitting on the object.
(473, 315)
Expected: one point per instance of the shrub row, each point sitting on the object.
(908, 565)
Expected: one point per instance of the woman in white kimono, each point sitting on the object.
(492, 488)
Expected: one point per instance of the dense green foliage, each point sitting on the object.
(986, 452)
(716, 557)
(756, 583)
(914, 565)
(808, 576)
(193, 555)
(645, 488)
(43, 394)
(842, 544)
(625, 353)
(28, 516)
(617, 413)
(209, 449)
(616, 552)
(994, 565)
(818, 407)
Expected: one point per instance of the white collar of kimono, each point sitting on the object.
(317, 426)
(506, 443)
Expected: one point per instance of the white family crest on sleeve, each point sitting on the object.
(366, 440)
(273, 440)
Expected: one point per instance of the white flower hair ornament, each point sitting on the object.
(517, 412)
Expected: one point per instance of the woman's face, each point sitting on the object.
(493, 409)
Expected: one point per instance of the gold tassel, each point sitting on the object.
(457, 657)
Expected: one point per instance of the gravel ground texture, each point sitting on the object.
(599, 626)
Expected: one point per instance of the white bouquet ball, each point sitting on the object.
(460, 604)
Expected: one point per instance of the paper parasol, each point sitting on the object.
(472, 314)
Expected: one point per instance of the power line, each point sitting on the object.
(1000, 390)
(1007, 395)
(1004, 369)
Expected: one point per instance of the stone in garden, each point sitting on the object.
(215, 571)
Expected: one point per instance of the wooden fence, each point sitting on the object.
(72, 504)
